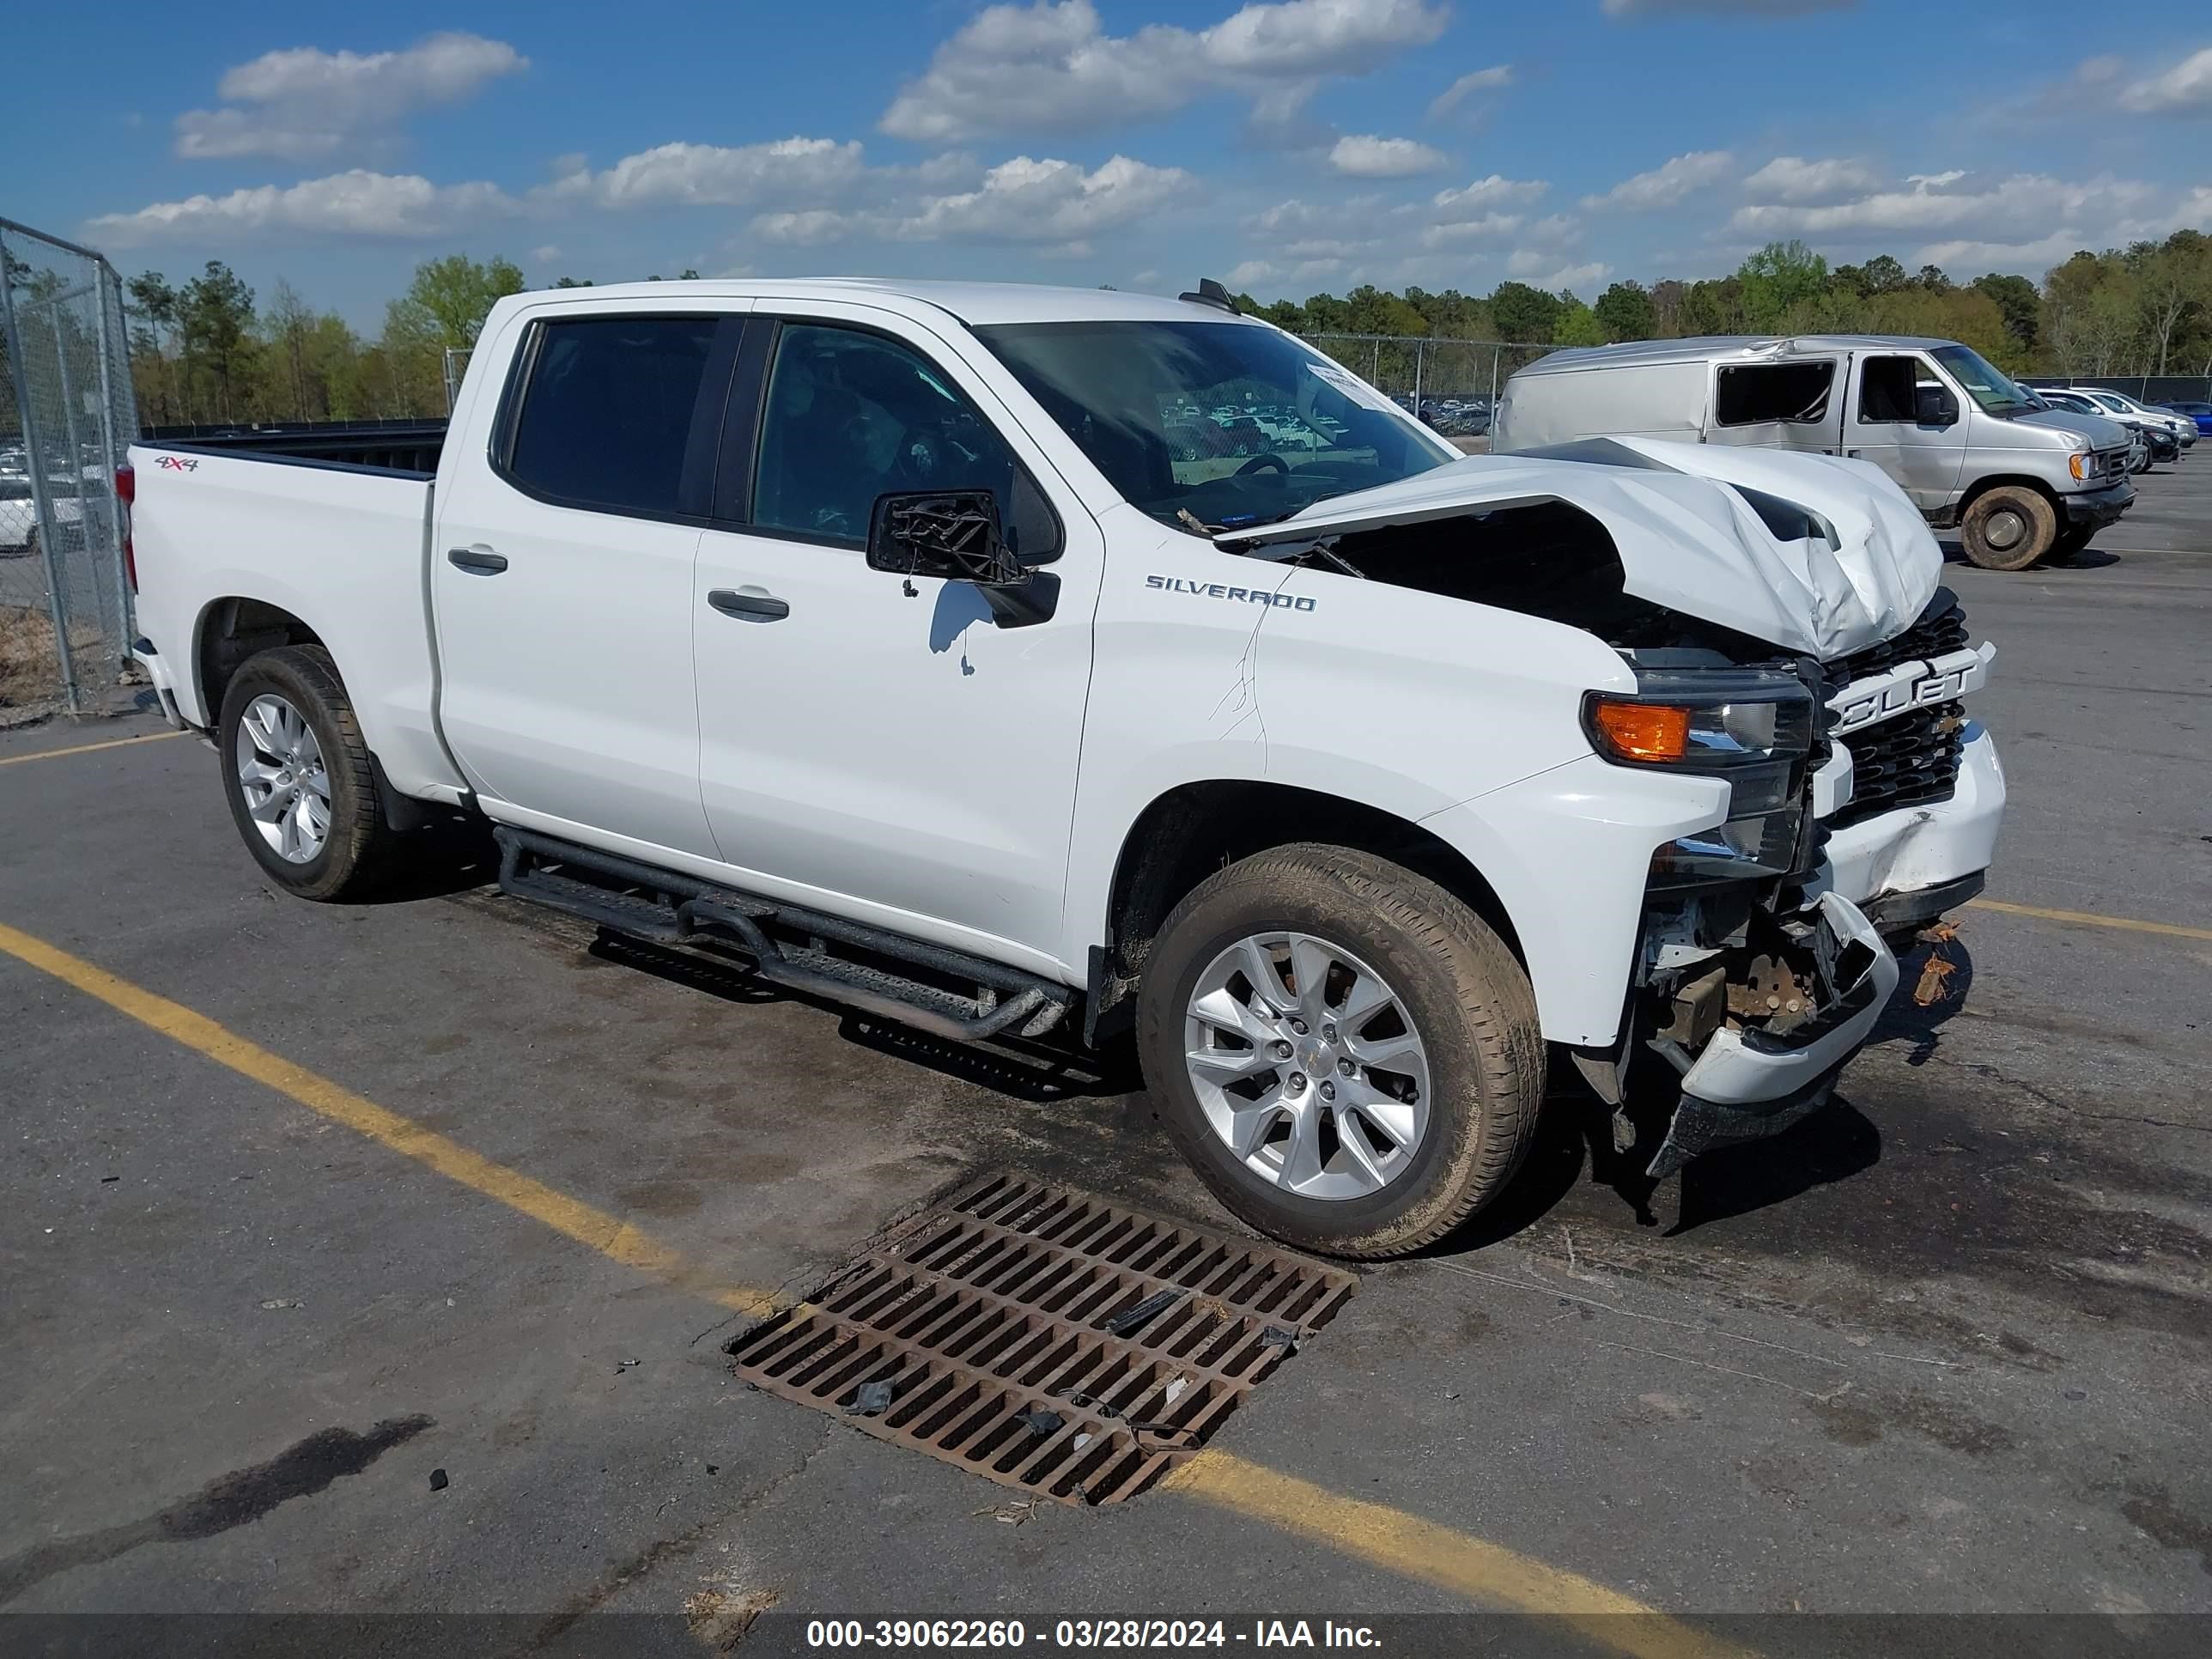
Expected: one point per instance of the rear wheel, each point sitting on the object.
(2009, 528)
(1347, 1053)
(297, 774)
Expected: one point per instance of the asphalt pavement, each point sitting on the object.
(1941, 1349)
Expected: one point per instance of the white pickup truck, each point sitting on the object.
(877, 632)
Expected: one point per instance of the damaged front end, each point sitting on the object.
(1755, 991)
(1757, 1009)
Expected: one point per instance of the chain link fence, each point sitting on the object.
(66, 421)
(2146, 388)
(1452, 385)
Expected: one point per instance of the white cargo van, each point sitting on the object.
(1975, 452)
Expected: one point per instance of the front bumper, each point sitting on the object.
(1747, 1084)
(2100, 507)
(1880, 864)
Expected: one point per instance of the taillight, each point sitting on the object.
(126, 495)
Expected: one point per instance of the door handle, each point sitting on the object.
(477, 561)
(747, 604)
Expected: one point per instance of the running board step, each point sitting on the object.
(678, 909)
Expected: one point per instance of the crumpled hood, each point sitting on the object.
(1688, 542)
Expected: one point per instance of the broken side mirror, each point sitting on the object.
(1933, 406)
(955, 535)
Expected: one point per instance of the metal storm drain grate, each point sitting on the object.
(1044, 1340)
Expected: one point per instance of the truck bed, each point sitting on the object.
(327, 527)
(410, 447)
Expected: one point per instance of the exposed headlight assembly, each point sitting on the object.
(1755, 728)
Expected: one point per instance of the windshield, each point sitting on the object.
(1986, 384)
(1232, 423)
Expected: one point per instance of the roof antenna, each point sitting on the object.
(1211, 292)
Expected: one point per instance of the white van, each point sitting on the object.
(1975, 452)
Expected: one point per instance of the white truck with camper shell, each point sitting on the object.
(875, 632)
(2019, 481)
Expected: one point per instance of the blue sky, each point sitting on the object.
(1285, 148)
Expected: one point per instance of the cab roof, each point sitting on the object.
(978, 304)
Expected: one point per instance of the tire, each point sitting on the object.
(2009, 528)
(1460, 993)
(357, 849)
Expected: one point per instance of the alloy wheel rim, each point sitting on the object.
(1307, 1066)
(282, 779)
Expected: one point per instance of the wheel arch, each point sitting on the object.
(1188, 831)
(1982, 486)
(230, 631)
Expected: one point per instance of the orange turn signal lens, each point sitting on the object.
(1642, 731)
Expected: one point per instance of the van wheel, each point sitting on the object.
(297, 774)
(1347, 1055)
(2009, 528)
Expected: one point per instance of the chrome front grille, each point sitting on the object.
(1913, 759)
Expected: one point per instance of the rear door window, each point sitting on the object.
(1759, 393)
(607, 417)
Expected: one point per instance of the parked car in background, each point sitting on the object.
(2146, 443)
(2200, 413)
(1352, 778)
(2020, 481)
(2121, 407)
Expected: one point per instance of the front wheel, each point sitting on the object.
(2009, 528)
(1347, 1053)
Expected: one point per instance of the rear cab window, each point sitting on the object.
(617, 414)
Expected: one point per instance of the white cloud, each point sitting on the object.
(1364, 156)
(1496, 78)
(1665, 185)
(2038, 255)
(1793, 178)
(1052, 66)
(1022, 200)
(1458, 231)
(305, 102)
(1556, 228)
(2020, 207)
(1487, 194)
(715, 175)
(1729, 8)
(2184, 89)
(544, 255)
(353, 203)
(1536, 267)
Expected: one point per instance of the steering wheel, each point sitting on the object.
(1268, 459)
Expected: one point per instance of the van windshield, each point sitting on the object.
(1986, 384)
(1231, 424)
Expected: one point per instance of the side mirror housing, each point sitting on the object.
(955, 534)
(952, 533)
(1933, 406)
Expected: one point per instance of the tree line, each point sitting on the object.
(2146, 309)
(207, 350)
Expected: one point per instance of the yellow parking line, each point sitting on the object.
(610, 1236)
(1413, 1548)
(2092, 919)
(86, 748)
(1400, 1543)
